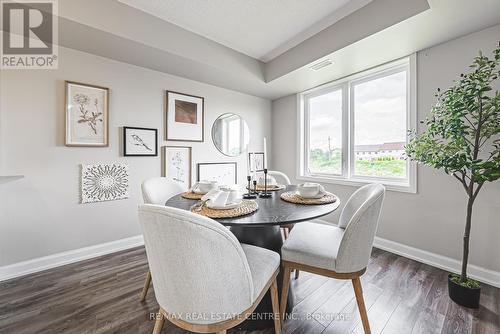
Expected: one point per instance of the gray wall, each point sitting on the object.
(433, 219)
(40, 214)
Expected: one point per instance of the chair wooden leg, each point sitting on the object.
(287, 232)
(284, 292)
(146, 287)
(276, 309)
(160, 320)
(358, 291)
(297, 274)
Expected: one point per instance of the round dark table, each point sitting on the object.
(262, 228)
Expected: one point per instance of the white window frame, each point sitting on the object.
(408, 184)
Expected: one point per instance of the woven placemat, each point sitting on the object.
(270, 188)
(191, 195)
(246, 207)
(293, 197)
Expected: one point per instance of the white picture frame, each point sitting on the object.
(224, 173)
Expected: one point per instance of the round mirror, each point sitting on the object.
(230, 134)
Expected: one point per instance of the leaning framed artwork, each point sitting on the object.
(222, 172)
(140, 142)
(256, 161)
(184, 117)
(86, 114)
(177, 165)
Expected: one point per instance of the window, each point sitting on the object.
(354, 130)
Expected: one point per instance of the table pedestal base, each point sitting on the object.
(268, 237)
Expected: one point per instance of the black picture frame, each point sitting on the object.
(201, 164)
(250, 161)
(154, 152)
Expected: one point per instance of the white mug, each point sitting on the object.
(310, 189)
(204, 186)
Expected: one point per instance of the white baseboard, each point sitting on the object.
(47, 262)
(481, 274)
(443, 262)
(60, 259)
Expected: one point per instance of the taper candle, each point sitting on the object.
(254, 166)
(248, 164)
(265, 153)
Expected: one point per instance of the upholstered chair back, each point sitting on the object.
(359, 218)
(280, 177)
(157, 190)
(200, 272)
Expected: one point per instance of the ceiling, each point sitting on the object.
(378, 32)
(261, 29)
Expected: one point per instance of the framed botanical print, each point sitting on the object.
(184, 117)
(140, 142)
(86, 115)
(256, 161)
(177, 165)
(222, 172)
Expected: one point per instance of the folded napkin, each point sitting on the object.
(221, 197)
(212, 194)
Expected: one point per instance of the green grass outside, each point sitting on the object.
(320, 162)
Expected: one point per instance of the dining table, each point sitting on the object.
(262, 228)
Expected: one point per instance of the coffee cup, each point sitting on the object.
(203, 187)
(310, 190)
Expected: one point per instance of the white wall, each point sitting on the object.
(40, 214)
(433, 219)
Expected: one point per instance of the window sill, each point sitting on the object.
(392, 186)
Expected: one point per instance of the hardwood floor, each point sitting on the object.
(102, 296)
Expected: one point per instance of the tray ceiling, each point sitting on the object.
(261, 29)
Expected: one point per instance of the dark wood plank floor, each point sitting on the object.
(101, 296)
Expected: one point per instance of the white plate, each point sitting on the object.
(200, 192)
(310, 197)
(224, 207)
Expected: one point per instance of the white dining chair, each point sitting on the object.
(205, 280)
(282, 178)
(341, 251)
(157, 190)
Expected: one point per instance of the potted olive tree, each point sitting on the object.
(462, 137)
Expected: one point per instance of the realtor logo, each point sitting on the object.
(29, 34)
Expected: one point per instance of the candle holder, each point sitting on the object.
(255, 192)
(265, 194)
(249, 194)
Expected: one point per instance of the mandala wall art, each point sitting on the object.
(104, 182)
